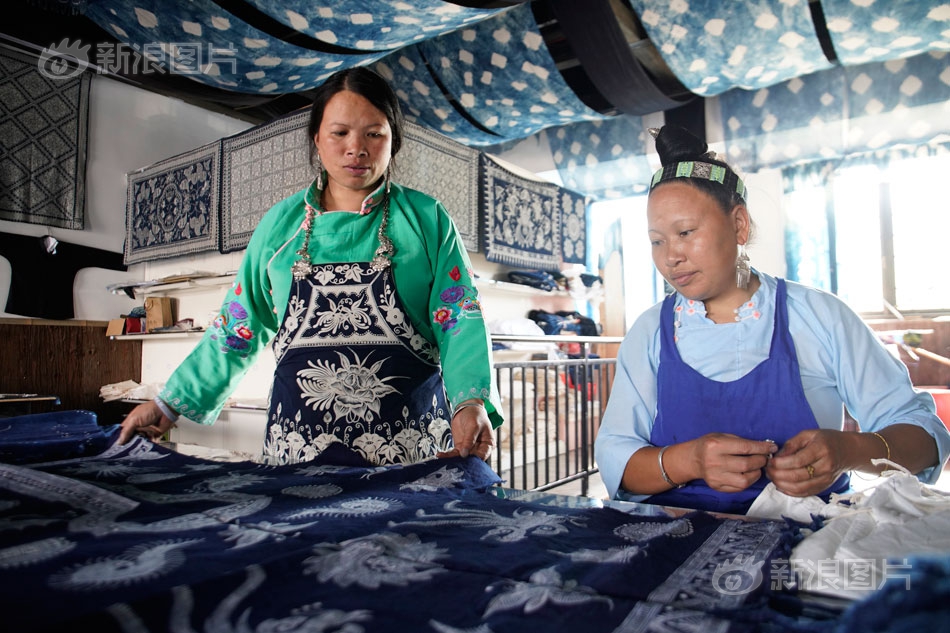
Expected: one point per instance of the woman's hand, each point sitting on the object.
(727, 462)
(810, 462)
(145, 419)
(472, 433)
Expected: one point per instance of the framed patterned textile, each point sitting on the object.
(522, 218)
(259, 168)
(573, 227)
(44, 125)
(172, 206)
(447, 171)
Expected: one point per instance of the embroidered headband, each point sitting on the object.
(702, 171)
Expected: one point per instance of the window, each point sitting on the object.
(889, 232)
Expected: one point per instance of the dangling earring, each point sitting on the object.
(743, 272)
(389, 177)
(319, 167)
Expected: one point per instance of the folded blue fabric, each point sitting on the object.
(43, 437)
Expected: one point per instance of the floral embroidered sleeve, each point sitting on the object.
(243, 327)
(459, 327)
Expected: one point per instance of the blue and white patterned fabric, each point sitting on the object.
(712, 46)
(172, 206)
(423, 101)
(837, 112)
(502, 74)
(522, 218)
(203, 41)
(259, 168)
(371, 25)
(573, 227)
(604, 159)
(140, 538)
(863, 32)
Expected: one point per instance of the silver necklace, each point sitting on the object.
(303, 267)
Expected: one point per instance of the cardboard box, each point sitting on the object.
(160, 312)
(116, 327)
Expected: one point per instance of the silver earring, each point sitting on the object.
(389, 176)
(319, 166)
(743, 272)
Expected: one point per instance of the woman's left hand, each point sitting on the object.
(809, 462)
(472, 433)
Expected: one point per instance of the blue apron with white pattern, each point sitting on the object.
(767, 403)
(351, 368)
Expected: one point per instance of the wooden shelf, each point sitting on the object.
(160, 287)
(506, 286)
(157, 335)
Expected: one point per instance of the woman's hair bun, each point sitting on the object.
(675, 144)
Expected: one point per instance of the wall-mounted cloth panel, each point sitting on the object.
(447, 171)
(837, 112)
(371, 25)
(522, 218)
(423, 101)
(205, 42)
(595, 36)
(43, 127)
(502, 74)
(604, 159)
(172, 206)
(573, 209)
(259, 168)
(713, 46)
(863, 32)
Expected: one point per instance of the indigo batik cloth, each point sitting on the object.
(172, 206)
(522, 218)
(259, 168)
(141, 538)
(43, 138)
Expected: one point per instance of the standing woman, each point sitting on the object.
(737, 377)
(365, 291)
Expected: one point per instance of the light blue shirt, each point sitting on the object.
(842, 362)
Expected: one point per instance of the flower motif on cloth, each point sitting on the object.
(353, 390)
(231, 330)
(460, 301)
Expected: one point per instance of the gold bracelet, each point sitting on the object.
(886, 445)
(666, 478)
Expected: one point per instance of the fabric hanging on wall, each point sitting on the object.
(172, 206)
(259, 168)
(501, 72)
(44, 119)
(838, 112)
(522, 218)
(423, 102)
(41, 280)
(604, 159)
(573, 227)
(447, 171)
(712, 46)
(863, 32)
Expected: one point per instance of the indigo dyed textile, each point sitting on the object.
(43, 119)
(172, 206)
(522, 218)
(447, 171)
(259, 168)
(140, 538)
(573, 227)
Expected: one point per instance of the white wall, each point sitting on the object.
(129, 128)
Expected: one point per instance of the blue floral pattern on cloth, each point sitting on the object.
(460, 301)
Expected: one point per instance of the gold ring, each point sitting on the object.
(811, 470)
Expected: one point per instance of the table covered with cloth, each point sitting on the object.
(136, 538)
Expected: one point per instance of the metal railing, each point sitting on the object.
(552, 409)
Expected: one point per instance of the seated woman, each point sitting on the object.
(738, 378)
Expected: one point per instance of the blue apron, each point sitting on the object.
(767, 403)
(351, 368)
